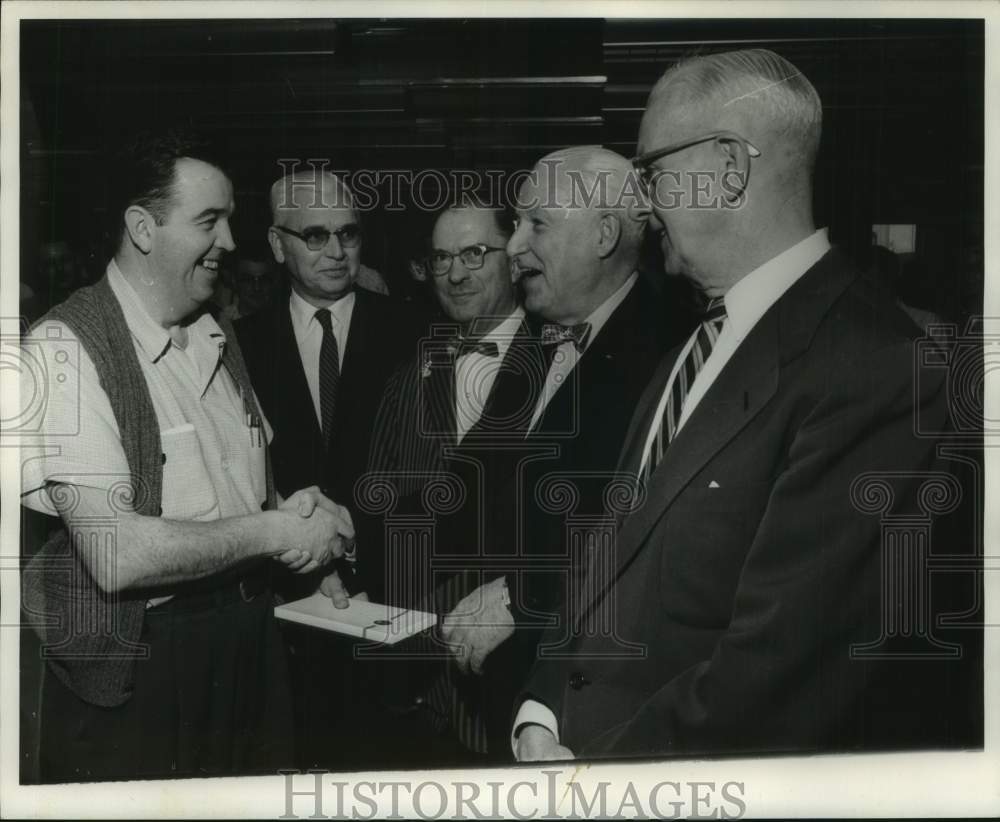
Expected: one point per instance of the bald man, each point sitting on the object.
(322, 427)
(319, 359)
(747, 592)
(575, 249)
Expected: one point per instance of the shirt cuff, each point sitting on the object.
(532, 712)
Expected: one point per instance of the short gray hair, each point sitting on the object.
(608, 180)
(783, 100)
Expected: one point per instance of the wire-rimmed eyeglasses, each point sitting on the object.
(643, 163)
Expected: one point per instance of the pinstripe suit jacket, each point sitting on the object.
(414, 443)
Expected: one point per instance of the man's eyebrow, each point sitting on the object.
(322, 227)
(211, 212)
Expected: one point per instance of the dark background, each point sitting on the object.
(902, 107)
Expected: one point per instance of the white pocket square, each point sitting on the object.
(713, 484)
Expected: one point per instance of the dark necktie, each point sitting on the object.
(329, 374)
(556, 334)
(706, 336)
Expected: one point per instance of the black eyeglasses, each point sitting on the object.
(472, 257)
(316, 239)
(644, 161)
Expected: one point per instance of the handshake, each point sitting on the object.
(310, 530)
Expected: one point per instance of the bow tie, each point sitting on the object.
(461, 346)
(555, 334)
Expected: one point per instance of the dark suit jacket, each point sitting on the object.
(741, 585)
(415, 444)
(579, 439)
(381, 334)
(569, 458)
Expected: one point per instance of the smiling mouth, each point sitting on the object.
(523, 271)
(210, 265)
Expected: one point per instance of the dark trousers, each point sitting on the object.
(355, 712)
(212, 699)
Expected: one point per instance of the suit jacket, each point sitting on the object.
(415, 444)
(578, 439)
(562, 479)
(741, 588)
(381, 334)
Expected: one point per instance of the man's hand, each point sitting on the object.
(477, 625)
(307, 500)
(320, 531)
(295, 560)
(333, 587)
(536, 743)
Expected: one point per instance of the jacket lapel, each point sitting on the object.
(745, 386)
(361, 336)
(599, 358)
(635, 436)
(437, 387)
(290, 368)
(511, 401)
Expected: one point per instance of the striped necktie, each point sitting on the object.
(329, 374)
(706, 336)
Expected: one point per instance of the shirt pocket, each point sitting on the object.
(187, 487)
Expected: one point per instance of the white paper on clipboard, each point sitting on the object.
(370, 621)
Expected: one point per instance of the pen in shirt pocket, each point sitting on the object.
(254, 423)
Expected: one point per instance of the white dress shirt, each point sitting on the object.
(475, 374)
(746, 303)
(566, 356)
(309, 337)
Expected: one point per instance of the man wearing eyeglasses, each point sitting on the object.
(319, 359)
(460, 406)
(747, 595)
(601, 332)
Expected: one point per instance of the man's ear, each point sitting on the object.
(417, 271)
(275, 242)
(140, 226)
(609, 233)
(734, 172)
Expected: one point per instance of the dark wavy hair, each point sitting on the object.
(145, 174)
